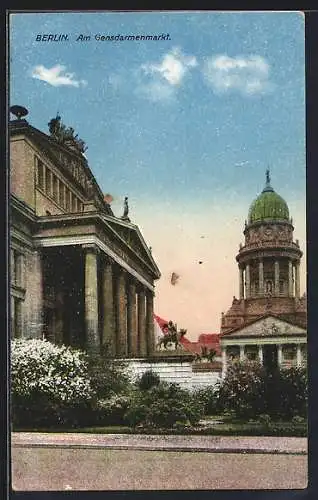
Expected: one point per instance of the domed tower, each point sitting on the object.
(270, 258)
(268, 264)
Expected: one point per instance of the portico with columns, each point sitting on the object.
(114, 302)
(269, 341)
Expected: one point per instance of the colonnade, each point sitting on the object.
(260, 354)
(125, 308)
(245, 289)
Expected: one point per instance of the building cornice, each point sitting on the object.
(52, 241)
(98, 218)
(292, 338)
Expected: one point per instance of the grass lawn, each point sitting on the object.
(212, 426)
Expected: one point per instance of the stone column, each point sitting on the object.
(299, 356)
(224, 361)
(33, 304)
(108, 335)
(91, 298)
(297, 281)
(260, 354)
(150, 335)
(247, 282)
(122, 347)
(290, 279)
(261, 278)
(132, 320)
(242, 352)
(276, 275)
(241, 271)
(279, 355)
(142, 323)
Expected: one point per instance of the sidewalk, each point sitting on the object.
(213, 444)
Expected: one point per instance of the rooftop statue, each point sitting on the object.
(65, 134)
(126, 210)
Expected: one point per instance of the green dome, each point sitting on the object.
(268, 205)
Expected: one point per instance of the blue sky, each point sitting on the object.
(185, 127)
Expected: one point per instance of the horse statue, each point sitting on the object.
(171, 336)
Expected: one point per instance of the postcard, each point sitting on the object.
(158, 301)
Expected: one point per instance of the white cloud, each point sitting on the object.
(56, 76)
(247, 75)
(160, 80)
(156, 91)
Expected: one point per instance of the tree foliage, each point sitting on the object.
(249, 390)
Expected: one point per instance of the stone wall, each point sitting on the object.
(22, 171)
(180, 372)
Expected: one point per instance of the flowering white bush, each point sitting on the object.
(57, 372)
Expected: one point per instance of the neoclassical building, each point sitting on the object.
(79, 274)
(269, 319)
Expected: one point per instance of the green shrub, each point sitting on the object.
(248, 391)
(242, 390)
(292, 393)
(147, 380)
(209, 398)
(162, 406)
(111, 411)
(108, 376)
(265, 419)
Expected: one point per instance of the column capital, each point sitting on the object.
(132, 284)
(91, 247)
(141, 289)
(108, 260)
(149, 293)
(122, 272)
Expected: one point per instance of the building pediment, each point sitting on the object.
(130, 234)
(269, 326)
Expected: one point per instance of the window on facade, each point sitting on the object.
(40, 174)
(71, 201)
(67, 199)
(47, 181)
(289, 352)
(16, 268)
(281, 287)
(55, 188)
(16, 317)
(75, 204)
(61, 193)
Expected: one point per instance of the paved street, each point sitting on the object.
(118, 462)
(96, 469)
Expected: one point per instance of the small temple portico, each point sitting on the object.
(270, 341)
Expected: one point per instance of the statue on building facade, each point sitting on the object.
(126, 210)
(65, 135)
